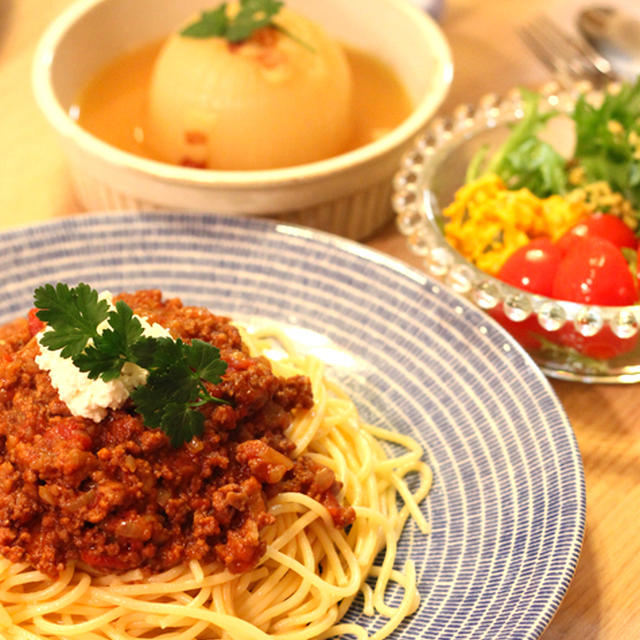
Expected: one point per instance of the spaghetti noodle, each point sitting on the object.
(306, 580)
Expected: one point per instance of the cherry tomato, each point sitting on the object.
(532, 267)
(35, 324)
(68, 432)
(594, 271)
(601, 225)
(603, 346)
(526, 332)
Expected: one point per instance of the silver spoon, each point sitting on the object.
(615, 34)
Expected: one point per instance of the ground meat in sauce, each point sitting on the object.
(115, 495)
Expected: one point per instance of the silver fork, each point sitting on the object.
(568, 57)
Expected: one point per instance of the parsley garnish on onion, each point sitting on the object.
(251, 16)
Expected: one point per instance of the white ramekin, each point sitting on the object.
(348, 194)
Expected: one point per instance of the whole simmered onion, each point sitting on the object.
(270, 101)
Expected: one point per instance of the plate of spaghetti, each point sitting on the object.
(223, 428)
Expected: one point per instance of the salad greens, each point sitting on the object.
(608, 141)
(524, 160)
(607, 148)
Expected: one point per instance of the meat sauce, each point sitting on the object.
(116, 495)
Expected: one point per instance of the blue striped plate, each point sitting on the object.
(507, 507)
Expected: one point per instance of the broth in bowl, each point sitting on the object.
(347, 194)
(288, 94)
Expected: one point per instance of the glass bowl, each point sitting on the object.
(568, 340)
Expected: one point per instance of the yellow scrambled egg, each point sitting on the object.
(487, 222)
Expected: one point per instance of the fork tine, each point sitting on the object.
(587, 55)
(569, 57)
(539, 46)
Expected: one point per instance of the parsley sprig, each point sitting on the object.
(251, 16)
(178, 372)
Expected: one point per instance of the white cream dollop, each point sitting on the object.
(89, 398)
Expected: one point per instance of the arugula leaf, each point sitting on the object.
(607, 147)
(73, 314)
(537, 166)
(251, 16)
(525, 161)
(608, 140)
(177, 371)
(476, 164)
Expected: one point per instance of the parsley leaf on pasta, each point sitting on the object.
(205, 359)
(178, 373)
(112, 348)
(73, 315)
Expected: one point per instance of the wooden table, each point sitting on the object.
(603, 601)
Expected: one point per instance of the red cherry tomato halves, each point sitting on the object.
(532, 267)
(604, 345)
(594, 271)
(35, 324)
(602, 225)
